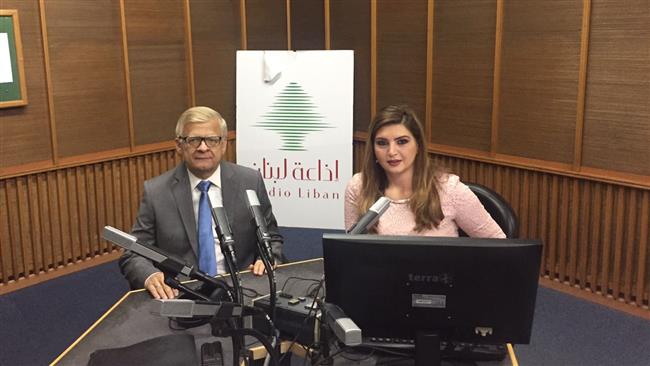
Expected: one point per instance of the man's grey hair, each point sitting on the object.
(200, 115)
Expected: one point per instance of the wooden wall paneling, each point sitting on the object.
(54, 218)
(562, 227)
(472, 172)
(111, 194)
(94, 230)
(122, 190)
(127, 74)
(5, 237)
(118, 200)
(158, 67)
(428, 89)
(134, 188)
(34, 224)
(606, 241)
(148, 163)
(156, 164)
(642, 288)
(64, 212)
(95, 206)
(582, 84)
(100, 199)
(511, 187)
(401, 54)
(125, 193)
(524, 210)
(574, 229)
(617, 111)
(543, 225)
(84, 212)
(307, 25)
(629, 240)
(27, 126)
(350, 30)
(516, 189)
(327, 20)
(170, 159)
(496, 87)
(266, 24)
(17, 240)
(288, 9)
(73, 215)
(529, 223)
(12, 238)
(539, 79)
(373, 57)
(107, 178)
(187, 22)
(216, 38)
(463, 71)
(583, 228)
(44, 211)
(552, 228)
(615, 272)
(595, 235)
(141, 174)
(87, 73)
(244, 25)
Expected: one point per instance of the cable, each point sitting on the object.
(309, 316)
(252, 293)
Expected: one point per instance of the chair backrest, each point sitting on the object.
(498, 208)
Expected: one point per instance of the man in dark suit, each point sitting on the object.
(170, 210)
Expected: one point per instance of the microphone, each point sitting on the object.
(262, 231)
(370, 218)
(227, 242)
(223, 227)
(161, 260)
(183, 308)
(343, 327)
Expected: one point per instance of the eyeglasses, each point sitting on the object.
(195, 141)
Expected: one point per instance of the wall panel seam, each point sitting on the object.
(187, 17)
(48, 82)
(243, 24)
(496, 82)
(288, 10)
(127, 75)
(429, 73)
(327, 20)
(582, 84)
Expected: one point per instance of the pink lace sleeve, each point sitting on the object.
(471, 216)
(351, 194)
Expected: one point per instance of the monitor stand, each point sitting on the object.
(427, 349)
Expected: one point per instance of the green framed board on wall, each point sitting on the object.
(13, 92)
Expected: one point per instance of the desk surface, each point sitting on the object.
(130, 320)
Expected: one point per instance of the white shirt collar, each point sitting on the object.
(215, 178)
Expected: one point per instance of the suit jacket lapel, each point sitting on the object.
(183, 196)
(230, 191)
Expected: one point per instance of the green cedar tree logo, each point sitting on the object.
(293, 116)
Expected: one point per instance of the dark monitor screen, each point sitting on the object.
(463, 289)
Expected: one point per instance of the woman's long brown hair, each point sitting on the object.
(425, 202)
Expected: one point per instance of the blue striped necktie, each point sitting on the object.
(207, 256)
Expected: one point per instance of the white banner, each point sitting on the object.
(294, 125)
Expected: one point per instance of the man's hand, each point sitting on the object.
(258, 268)
(157, 287)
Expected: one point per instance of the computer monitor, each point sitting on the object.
(461, 289)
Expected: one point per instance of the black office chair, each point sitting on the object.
(498, 208)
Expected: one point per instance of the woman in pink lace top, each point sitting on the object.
(425, 200)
